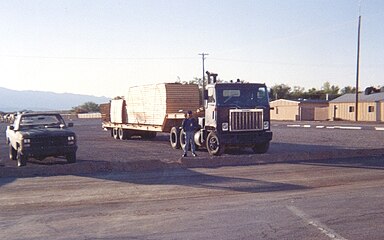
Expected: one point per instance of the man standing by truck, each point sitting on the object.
(189, 127)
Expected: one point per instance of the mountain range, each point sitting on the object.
(14, 100)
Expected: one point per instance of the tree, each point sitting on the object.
(348, 89)
(87, 107)
(298, 92)
(328, 89)
(280, 91)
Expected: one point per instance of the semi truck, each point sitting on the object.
(231, 114)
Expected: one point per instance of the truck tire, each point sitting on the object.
(12, 153)
(21, 158)
(122, 134)
(182, 139)
(261, 148)
(174, 138)
(213, 144)
(71, 157)
(115, 133)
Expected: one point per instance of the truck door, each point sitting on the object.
(210, 108)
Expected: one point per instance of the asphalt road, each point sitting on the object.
(313, 184)
(334, 199)
(97, 149)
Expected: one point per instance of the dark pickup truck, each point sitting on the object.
(40, 135)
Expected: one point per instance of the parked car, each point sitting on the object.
(40, 135)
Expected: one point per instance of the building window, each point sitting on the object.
(371, 108)
(277, 110)
(351, 109)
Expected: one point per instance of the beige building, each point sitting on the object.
(370, 107)
(300, 110)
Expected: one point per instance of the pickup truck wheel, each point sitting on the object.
(12, 153)
(213, 144)
(21, 158)
(261, 148)
(174, 138)
(71, 157)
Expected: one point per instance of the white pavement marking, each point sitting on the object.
(293, 125)
(379, 128)
(321, 227)
(351, 128)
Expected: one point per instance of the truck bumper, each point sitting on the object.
(50, 151)
(246, 139)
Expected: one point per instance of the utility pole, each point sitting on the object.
(357, 71)
(203, 84)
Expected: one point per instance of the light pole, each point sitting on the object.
(203, 79)
(357, 71)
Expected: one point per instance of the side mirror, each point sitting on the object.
(70, 124)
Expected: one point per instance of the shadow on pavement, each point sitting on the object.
(369, 162)
(191, 178)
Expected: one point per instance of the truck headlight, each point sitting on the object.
(26, 142)
(266, 125)
(224, 126)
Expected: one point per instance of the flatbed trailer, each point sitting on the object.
(124, 131)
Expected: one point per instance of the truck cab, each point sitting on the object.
(236, 114)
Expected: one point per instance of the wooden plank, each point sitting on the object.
(149, 104)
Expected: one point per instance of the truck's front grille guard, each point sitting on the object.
(245, 120)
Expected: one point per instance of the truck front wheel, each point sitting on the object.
(174, 138)
(261, 148)
(12, 152)
(21, 158)
(213, 144)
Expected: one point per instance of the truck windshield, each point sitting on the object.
(32, 121)
(242, 96)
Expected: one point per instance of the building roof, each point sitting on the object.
(351, 97)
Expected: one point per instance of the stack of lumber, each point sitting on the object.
(150, 104)
(118, 113)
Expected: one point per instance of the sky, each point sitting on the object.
(103, 47)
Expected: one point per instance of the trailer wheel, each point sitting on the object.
(261, 148)
(174, 138)
(115, 133)
(123, 135)
(213, 144)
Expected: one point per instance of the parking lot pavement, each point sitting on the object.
(99, 152)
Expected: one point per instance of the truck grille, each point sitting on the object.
(50, 141)
(245, 119)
